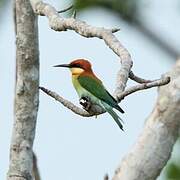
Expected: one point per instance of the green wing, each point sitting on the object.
(96, 88)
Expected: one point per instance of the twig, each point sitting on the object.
(66, 103)
(144, 86)
(138, 79)
(66, 9)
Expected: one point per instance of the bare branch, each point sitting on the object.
(138, 79)
(66, 9)
(89, 112)
(69, 104)
(154, 146)
(143, 86)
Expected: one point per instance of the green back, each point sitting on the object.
(96, 88)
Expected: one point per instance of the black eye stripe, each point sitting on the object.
(76, 65)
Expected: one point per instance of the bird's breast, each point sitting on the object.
(77, 85)
(80, 90)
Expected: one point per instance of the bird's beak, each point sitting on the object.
(63, 65)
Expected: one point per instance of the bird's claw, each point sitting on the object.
(85, 102)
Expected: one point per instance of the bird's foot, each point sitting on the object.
(85, 102)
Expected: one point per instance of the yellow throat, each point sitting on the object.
(76, 71)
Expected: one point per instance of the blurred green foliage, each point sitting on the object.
(127, 9)
(3, 6)
(172, 169)
(1, 3)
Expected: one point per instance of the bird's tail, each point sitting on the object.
(114, 116)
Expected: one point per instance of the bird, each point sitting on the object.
(88, 85)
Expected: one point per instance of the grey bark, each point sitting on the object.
(26, 92)
(154, 146)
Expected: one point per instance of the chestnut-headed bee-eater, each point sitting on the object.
(88, 85)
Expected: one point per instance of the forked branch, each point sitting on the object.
(143, 86)
(125, 93)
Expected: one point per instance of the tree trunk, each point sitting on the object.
(26, 92)
(154, 146)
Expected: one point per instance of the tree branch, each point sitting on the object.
(155, 83)
(137, 79)
(92, 112)
(154, 146)
(70, 105)
(26, 92)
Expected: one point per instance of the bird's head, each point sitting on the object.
(77, 66)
